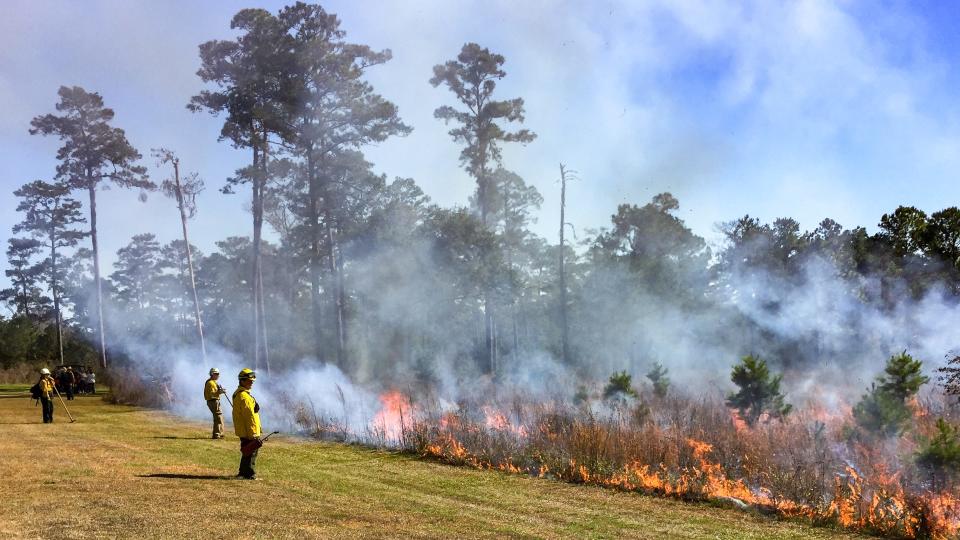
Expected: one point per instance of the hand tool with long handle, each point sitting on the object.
(72, 420)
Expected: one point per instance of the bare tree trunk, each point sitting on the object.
(261, 325)
(489, 323)
(341, 299)
(564, 325)
(334, 268)
(510, 235)
(53, 288)
(186, 244)
(263, 322)
(257, 209)
(96, 268)
(315, 267)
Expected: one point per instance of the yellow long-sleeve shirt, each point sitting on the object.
(211, 390)
(246, 418)
(46, 386)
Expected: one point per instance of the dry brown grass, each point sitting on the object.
(92, 479)
(19, 374)
(694, 449)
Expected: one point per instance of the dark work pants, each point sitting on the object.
(248, 464)
(47, 405)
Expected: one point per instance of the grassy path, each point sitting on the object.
(128, 472)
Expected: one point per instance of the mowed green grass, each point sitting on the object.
(133, 473)
(6, 389)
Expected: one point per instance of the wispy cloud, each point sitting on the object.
(806, 109)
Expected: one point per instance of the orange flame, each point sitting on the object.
(395, 417)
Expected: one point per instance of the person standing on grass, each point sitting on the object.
(47, 385)
(211, 393)
(68, 379)
(246, 424)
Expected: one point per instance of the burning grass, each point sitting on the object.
(125, 472)
(813, 466)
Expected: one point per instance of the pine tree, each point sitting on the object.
(472, 77)
(759, 392)
(884, 409)
(658, 377)
(50, 217)
(941, 454)
(903, 377)
(24, 294)
(252, 75)
(620, 386)
(93, 153)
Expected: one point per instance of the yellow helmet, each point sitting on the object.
(247, 373)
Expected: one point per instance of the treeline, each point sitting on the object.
(366, 272)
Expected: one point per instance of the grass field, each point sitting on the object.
(128, 472)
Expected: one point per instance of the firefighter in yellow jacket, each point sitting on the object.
(211, 393)
(246, 424)
(47, 388)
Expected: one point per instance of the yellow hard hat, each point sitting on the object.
(247, 373)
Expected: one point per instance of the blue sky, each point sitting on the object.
(808, 109)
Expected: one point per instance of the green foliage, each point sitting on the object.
(657, 247)
(881, 413)
(620, 386)
(472, 78)
(759, 392)
(93, 151)
(26, 341)
(658, 377)
(18, 337)
(25, 278)
(942, 452)
(903, 377)
(884, 410)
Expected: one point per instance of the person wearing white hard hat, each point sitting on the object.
(46, 385)
(211, 393)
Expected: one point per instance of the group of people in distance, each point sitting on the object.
(246, 417)
(80, 381)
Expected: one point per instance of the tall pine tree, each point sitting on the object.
(93, 153)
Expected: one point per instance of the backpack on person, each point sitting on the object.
(35, 391)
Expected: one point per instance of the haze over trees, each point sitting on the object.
(364, 271)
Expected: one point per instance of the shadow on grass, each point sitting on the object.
(180, 476)
(171, 437)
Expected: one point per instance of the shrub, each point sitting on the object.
(759, 392)
(658, 377)
(941, 454)
(883, 410)
(620, 386)
(19, 374)
(880, 413)
(129, 387)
